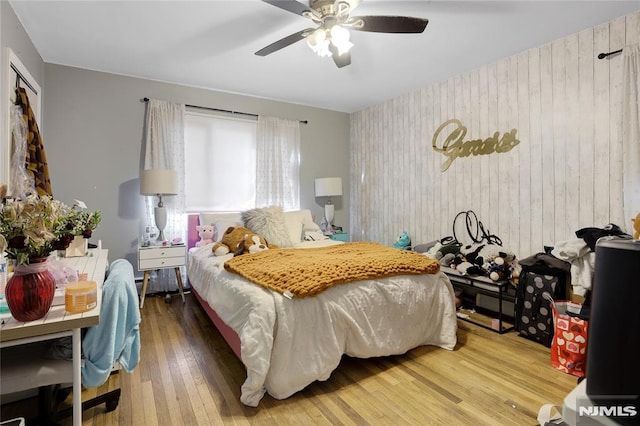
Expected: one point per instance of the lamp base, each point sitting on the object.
(160, 215)
(329, 210)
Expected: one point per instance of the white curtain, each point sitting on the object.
(631, 134)
(278, 163)
(164, 149)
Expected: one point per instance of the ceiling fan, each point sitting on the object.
(331, 37)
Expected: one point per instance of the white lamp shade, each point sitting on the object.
(158, 182)
(328, 187)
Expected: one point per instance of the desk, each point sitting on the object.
(57, 323)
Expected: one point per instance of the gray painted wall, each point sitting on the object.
(92, 131)
(13, 35)
(93, 126)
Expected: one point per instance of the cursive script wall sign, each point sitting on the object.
(455, 146)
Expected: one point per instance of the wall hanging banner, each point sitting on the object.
(455, 146)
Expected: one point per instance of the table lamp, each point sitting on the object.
(328, 187)
(159, 182)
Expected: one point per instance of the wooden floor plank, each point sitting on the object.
(188, 375)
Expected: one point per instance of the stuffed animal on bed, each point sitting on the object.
(205, 232)
(403, 242)
(239, 240)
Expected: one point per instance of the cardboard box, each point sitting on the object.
(574, 297)
(79, 247)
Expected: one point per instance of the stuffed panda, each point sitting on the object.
(482, 254)
(468, 268)
(470, 253)
(460, 264)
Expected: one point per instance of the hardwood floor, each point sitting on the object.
(188, 376)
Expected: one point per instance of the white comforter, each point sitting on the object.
(288, 344)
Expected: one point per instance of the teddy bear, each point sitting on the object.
(239, 240)
(499, 269)
(205, 232)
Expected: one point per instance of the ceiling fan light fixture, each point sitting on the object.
(340, 39)
(316, 39)
(331, 37)
(324, 51)
(343, 47)
(318, 42)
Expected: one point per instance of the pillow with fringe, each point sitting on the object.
(268, 222)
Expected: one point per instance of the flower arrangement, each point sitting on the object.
(35, 226)
(81, 221)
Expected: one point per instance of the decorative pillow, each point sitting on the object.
(221, 221)
(221, 226)
(307, 221)
(293, 223)
(269, 223)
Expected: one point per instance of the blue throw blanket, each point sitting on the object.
(117, 337)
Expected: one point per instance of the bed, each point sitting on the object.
(287, 344)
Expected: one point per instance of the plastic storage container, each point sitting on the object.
(81, 296)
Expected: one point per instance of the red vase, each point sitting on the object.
(29, 292)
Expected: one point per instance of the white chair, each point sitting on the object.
(28, 366)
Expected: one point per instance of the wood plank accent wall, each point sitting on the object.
(565, 174)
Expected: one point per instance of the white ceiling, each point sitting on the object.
(211, 44)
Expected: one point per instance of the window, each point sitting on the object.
(220, 163)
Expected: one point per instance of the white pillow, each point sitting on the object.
(221, 221)
(307, 221)
(269, 223)
(221, 226)
(294, 225)
(209, 218)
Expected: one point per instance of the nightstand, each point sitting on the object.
(161, 257)
(340, 236)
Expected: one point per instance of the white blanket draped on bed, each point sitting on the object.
(288, 344)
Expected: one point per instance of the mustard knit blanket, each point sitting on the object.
(307, 272)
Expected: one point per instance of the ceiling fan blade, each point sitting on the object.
(388, 24)
(290, 6)
(340, 60)
(284, 42)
